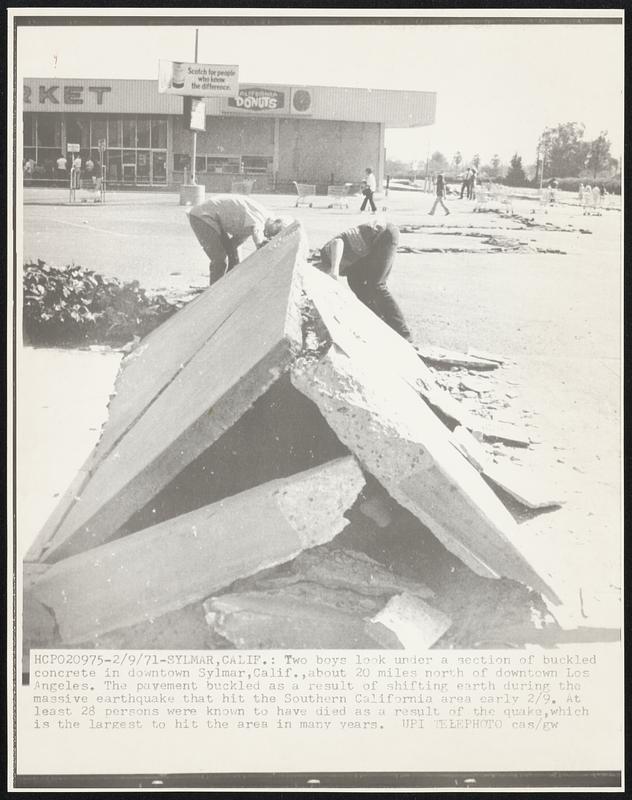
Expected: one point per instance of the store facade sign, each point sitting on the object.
(256, 98)
(198, 80)
(53, 94)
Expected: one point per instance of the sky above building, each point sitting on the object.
(498, 86)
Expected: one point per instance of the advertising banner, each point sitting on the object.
(256, 98)
(198, 80)
(270, 101)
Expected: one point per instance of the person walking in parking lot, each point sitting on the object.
(368, 187)
(440, 192)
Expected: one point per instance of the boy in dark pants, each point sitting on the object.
(365, 255)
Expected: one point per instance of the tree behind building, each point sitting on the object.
(515, 173)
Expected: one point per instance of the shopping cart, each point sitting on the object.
(91, 189)
(242, 187)
(338, 195)
(305, 193)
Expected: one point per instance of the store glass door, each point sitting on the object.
(143, 166)
(159, 167)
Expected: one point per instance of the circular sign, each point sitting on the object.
(302, 100)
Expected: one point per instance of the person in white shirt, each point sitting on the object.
(368, 187)
(224, 222)
(61, 166)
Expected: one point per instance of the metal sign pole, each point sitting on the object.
(194, 156)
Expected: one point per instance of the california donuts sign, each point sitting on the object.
(257, 99)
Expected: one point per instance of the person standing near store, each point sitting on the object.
(465, 186)
(62, 166)
(76, 166)
(365, 256)
(368, 187)
(440, 194)
(224, 222)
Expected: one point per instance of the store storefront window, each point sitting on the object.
(142, 132)
(135, 152)
(257, 164)
(128, 149)
(48, 144)
(99, 131)
(159, 133)
(78, 132)
(225, 166)
(114, 133)
(29, 130)
(30, 150)
(114, 164)
(129, 133)
(181, 162)
(48, 131)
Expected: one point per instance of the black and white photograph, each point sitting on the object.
(316, 383)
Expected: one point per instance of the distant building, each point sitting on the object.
(274, 133)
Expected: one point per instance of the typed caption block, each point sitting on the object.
(383, 691)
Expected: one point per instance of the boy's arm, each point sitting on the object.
(336, 250)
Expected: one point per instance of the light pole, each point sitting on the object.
(194, 156)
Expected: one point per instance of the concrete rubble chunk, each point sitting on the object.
(528, 490)
(188, 382)
(475, 353)
(348, 569)
(468, 446)
(399, 441)
(158, 570)
(301, 615)
(183, 629)
(499, 431)
(438, 357)
(416, 624)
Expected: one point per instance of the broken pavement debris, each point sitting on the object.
(276, 340)
(416, 624)
(435, 356)
(161, 569)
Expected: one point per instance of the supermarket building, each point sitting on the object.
(275, 134)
